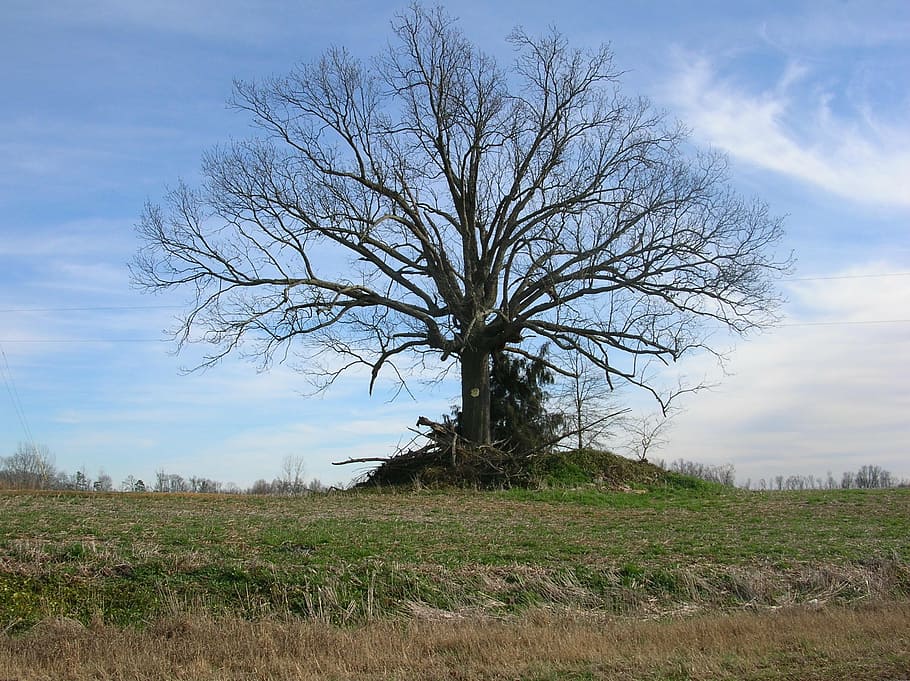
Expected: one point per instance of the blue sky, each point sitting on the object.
(107, 103)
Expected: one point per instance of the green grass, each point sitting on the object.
(347, 557)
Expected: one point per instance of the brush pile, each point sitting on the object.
(445, 459)
(439, 457)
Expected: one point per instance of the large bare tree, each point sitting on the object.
(433, 202)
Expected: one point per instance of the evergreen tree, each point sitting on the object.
(518, 415)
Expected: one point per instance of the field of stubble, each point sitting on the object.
(700, 583)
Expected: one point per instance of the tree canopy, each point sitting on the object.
(432, 202)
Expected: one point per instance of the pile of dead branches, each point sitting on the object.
(446, 459)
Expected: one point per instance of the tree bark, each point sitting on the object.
(475, 396)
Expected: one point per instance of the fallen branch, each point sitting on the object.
(366, 459)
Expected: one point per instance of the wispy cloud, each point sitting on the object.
(202, 18)
(254, 452)
(856, 155)
(825, 25)
(817, 394)
(75, 156)
(229, 21)
(71, 239)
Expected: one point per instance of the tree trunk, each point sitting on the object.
(579, 416)
(475, 396)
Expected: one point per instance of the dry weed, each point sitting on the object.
(795, 643)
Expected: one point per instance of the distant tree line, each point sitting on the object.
(867, 477)
(289, 482)
(172, 482)
(723, 474)
(31, 467)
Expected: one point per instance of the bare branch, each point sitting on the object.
(433, 201)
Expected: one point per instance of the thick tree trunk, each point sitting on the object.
(475, 396)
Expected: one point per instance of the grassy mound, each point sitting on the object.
(591, 466)
(491, 468)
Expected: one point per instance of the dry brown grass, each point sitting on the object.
(551, 584)
(867, 643)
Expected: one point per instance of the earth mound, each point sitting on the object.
(447, 462)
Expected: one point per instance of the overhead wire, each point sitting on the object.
(99, 308)
(89, 341)
(114, 308)
(7, 376)
(849, 276)
(861, 322)
(83, 340)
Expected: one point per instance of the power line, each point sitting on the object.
(850, 276)
(84, 340)
(104, 308)
(832, 322)
(7, 375)
(848, 323)
(115, 308)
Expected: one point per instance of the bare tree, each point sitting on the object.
(291, 480)
(204, 485)
(432, 203)
(103, 483)
(30, 467)
(872, 477)
(648, 432)
(261, 486)
(170, 482)
(589, 405)
(723, 474)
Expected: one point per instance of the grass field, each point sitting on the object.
(787, 582)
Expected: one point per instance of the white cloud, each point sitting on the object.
(863, 159)
(810, 396)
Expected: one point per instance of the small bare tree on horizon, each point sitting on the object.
(590, 407)
(432, 202)
(31, 466)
